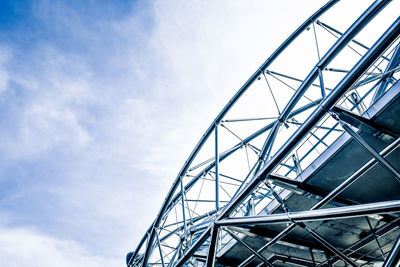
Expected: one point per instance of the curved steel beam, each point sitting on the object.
(379, 47)
(389, 36)
(218, 119)
(329, 101)
(349, 80)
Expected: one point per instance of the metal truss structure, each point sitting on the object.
(301, 167)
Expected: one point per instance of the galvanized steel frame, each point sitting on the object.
(265, 166)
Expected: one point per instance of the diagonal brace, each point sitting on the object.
(327, 245)
(261, 257)
(361, 122)
(371, 150)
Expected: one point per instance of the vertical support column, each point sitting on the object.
(212, 249)
(159, 249)
(266, 149)
(216, 168)
(321, 83)
(183, 208)
(312, 256)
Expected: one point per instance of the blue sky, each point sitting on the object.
(101, 102)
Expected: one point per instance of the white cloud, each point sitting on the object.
(5, 54)
(50, 92)
(25, 247)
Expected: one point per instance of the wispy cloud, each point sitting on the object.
(24, 247)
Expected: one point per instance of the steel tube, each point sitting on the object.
(293, 260)
(385, 229)
(394, 61)
(340, 33)
(197, 148)
(216, 169)
(306, 189)
(139, 246)
(183, 209)
(261, 257)
(171, 262)
(372, 151)
(160, 250)
(218, 119)
(352, 31)
(378, 48)
(316, 215)
(360, 121)
(269, 142)
(326, 244)
(394, 256)
(212, 248)
(194, 247)
(193, 228)
(334, 193)
(321, 82)
(238, 146)
(272, 241)
(226, 154)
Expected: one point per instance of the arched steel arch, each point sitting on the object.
(318, 103)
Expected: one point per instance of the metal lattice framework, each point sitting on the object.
(316, 87)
